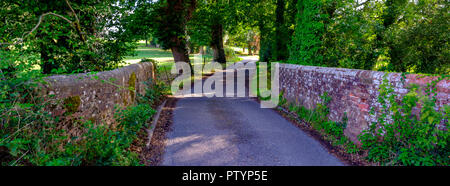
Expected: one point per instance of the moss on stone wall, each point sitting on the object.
(132, 85)
(124, 98)
(71, 104)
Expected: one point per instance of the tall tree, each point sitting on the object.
(291, 12)
(261, 15)
(350, 31)
(217, 42)
(168, 20)
(306, 42)
(211, 21)
(416, 36)
(281, 38)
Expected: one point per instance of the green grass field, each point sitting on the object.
(164, 57)
(156, 54)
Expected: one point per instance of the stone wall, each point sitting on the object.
(352, 91)
(93, 96)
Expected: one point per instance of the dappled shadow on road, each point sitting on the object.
(236, 131)
(195, 149)
(234, 81)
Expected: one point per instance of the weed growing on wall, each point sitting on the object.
(401, 137)
(154, 94)
(41, 142)
(318, 119)
(29, 135)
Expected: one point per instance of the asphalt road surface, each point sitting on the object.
(235, 131)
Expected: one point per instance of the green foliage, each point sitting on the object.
(401, 137)
(72, 104)
(150, 53)
(335, 128)
(261, 15)
(65, 41)
(42, 142)
(145, 60)
(392, 35)
(282, 101)
(318, 119)
(320, 113)
(153, 95)
(419, 41)
(103, 145)
(132, 119)
(229, 52)
(350, 39)
(281, 39)
(306, 42)
(244, 37)
(168, 20)
(25, 134)
(29, 135)
(21, 112)
(212, 21)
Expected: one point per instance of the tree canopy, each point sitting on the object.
(67, 36)
(391, 35)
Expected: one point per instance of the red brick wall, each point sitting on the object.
(352, 91)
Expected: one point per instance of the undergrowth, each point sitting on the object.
(318, 119)
(409, 130)
(30, 135)
(402, 137)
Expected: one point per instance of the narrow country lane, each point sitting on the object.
(235, 131)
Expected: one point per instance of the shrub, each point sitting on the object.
(318, 118)
(144, 60)
(100, 145)
(24, 124)
(42, 143)
(29, 135)
(107, 146)
(229, 52)
(157, 89)
(306, 41)
(399, 137)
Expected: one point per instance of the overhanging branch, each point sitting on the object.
(41, 18)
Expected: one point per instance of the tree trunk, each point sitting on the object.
(180, 54)
(217, 43)
(250, 49)
(46, 66)
(179, 45)
(265, 45)
(180, 50)
(389, 16)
